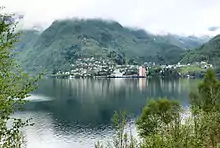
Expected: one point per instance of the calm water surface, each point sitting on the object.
(76, 113)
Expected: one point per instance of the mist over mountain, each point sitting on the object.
(64, 41)
(209, 52)
(214, 28)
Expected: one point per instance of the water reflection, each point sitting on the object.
(82, 108)
(94, 101)
(47, 134)
(142, 84)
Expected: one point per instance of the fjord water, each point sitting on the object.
(76, 113)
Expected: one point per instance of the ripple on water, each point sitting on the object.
(46, 133)
(38, 98)
(76, 113)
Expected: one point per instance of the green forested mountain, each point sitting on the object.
(64, 41)
(209, 52)
(189, 42)
(26, 39)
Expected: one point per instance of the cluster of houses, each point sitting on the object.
(202, 64)
(104, 67)
(196, 69)
(101, 67)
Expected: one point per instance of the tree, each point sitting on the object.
(14, 85)
(157, 114)
(205, 110)
(121, 138)
(159, 124)
(207, 96)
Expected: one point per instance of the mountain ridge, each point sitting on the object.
(66, 40)
(209, 52)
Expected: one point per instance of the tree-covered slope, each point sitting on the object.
(185, 42)
(209, 52)
(60, 44)
(26, 39)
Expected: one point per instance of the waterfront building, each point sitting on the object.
(142, 71)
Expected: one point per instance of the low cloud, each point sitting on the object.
(156, 16)
(214, 28)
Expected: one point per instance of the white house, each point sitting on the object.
(117, 73)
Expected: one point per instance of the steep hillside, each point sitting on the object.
(59, 45)
(188, 42)
(207, 52)
(26, 39)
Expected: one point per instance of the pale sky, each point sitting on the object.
(188, 17)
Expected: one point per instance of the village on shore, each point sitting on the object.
(106, 68)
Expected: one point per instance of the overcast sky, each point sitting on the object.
(157, 16)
